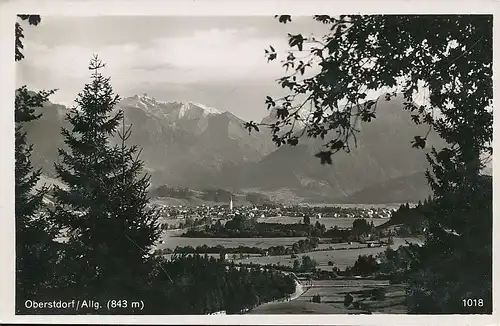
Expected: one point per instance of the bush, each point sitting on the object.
(378, 294)
(316, 298)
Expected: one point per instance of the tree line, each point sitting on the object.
(301, 246)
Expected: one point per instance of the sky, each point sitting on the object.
(217, 61)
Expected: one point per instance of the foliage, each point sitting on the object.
(36, 252)
(452, 58)
(244, 227)
(365, 265)
(206, 285)
(104, 206)
(362, 227)
(305, 266)
(32, 20)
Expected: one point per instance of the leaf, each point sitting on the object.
(337, 145)
(283, 18)
(271, 57)
(367, 116)
(250, 125)
(325, 157)
(296, 40)
(293, 141)
(369, 104)
(416, 118)
(282, 113)
(418, 142)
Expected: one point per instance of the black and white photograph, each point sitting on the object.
(271, 164)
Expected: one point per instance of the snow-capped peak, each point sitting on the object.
(186, 107)
(208, 109)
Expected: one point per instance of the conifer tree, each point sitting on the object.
(105, 207)
(35, 249)
(135, 226)
(86, 168)
(34, 233)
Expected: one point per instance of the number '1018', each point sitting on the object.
(473, 302)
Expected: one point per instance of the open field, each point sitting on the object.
(174, 241)
(332, 294)
(366, 206)
(340, 258)
(329, 222)
(402, 241)
(342, 245)
(341, 222)
(173, 221)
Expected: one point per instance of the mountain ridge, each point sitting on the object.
(187, 144)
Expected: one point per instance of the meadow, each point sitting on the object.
(332, 294)
(173, 240)
(340, 258)
(329, 222)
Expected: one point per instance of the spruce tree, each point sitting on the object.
(86, 168)
(35, 249)
(105, 206)
(135, 226)
(34, 233)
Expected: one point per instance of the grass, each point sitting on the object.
(341, 222)
(332, 294)
(340, 258)
(174, 241)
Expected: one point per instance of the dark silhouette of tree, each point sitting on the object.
(452, 57)
(307, 220)
(36, 251)
(365, 265)
(32, 20)
(132, 224)
(104, 206)
(361, 227)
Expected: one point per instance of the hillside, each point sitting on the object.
(191, 145)
(402, 190)
(381, 162)
(185, 196)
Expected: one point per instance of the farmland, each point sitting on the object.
(340, 258)
(332, 294)
(341, 222)
(327, 256)
(172, 241)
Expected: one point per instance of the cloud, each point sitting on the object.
(204, 56)
(213, 54)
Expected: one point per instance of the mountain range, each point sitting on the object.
(192, 145)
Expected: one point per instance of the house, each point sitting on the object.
(223, 256)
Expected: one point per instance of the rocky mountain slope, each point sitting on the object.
(192, 145)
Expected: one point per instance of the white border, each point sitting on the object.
(8, 10)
